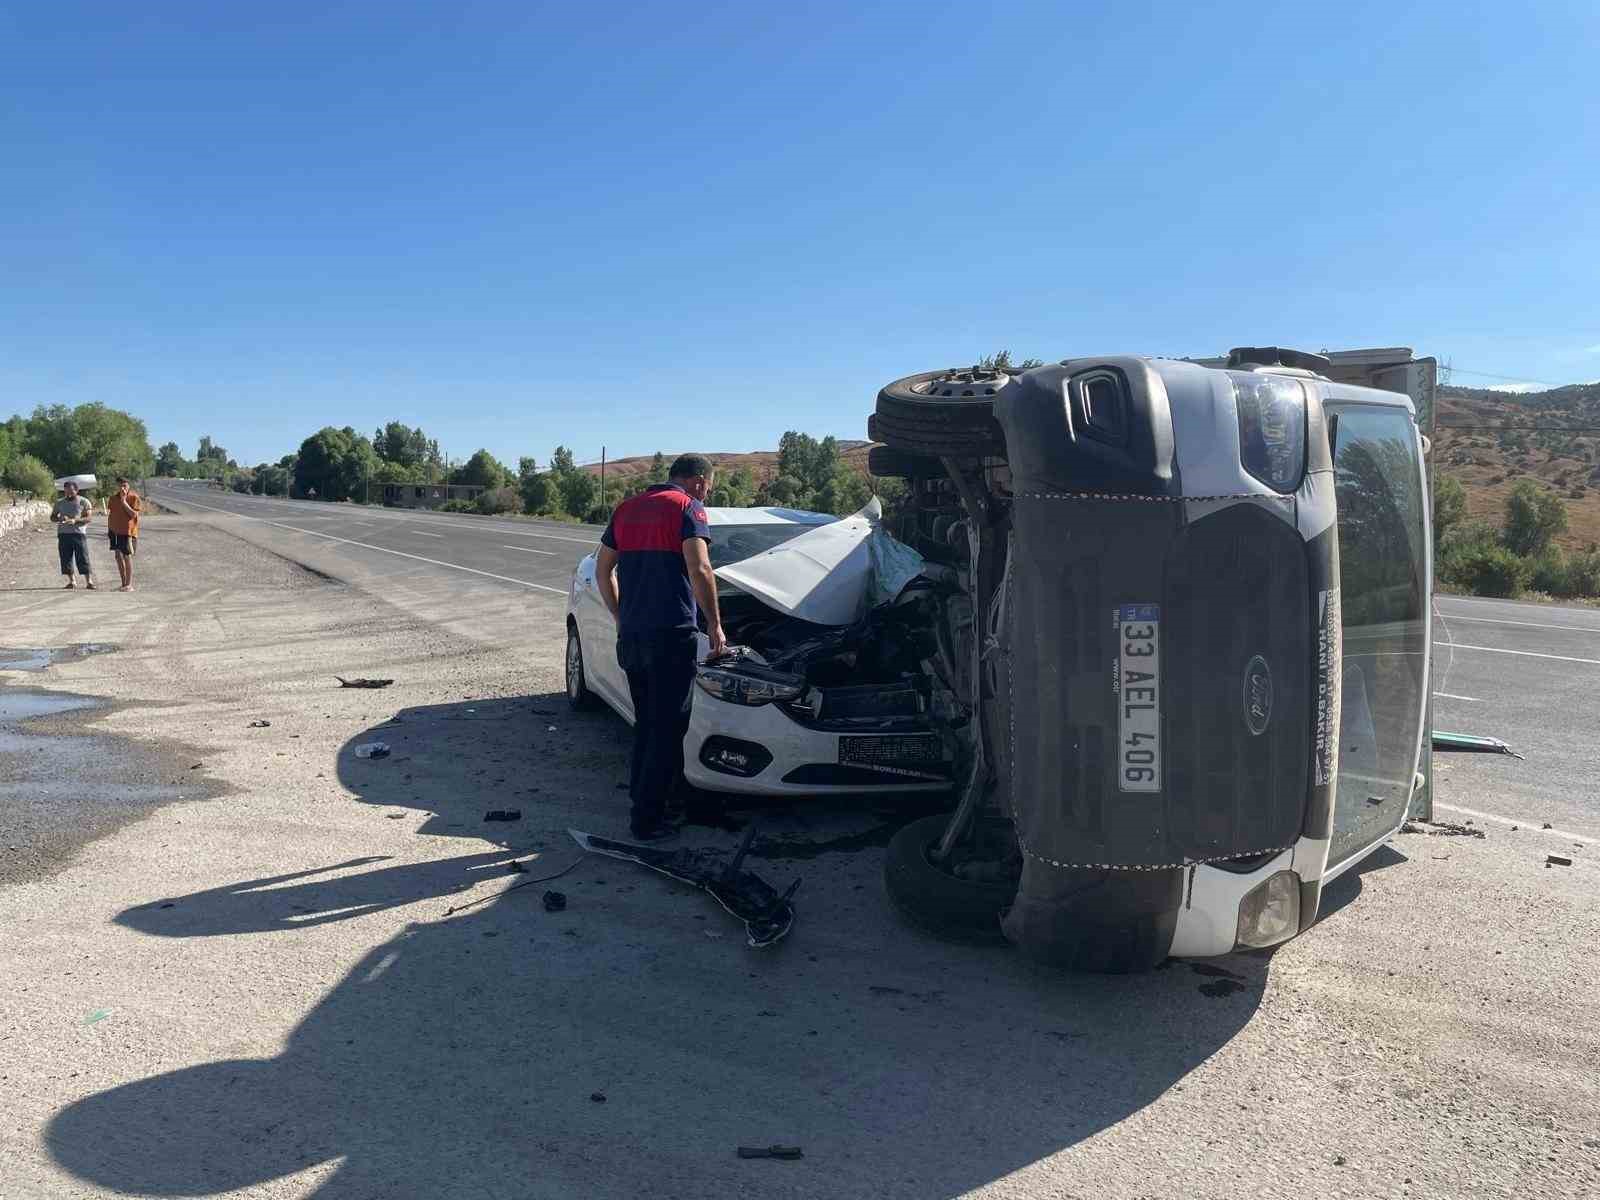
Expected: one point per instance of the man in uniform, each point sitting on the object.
(656, 552)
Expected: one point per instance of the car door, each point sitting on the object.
(598, 631)
(1385, 586)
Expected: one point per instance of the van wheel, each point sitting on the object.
(1094, 919)
(886, 463)
(578, 694)
(933, 900)
(941, 413)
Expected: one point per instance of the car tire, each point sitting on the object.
(934, 901)
(578, 694)
(941, 413)
(886, 463)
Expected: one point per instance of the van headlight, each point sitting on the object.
(742, 687)
(1270, 912)
(1272, 428)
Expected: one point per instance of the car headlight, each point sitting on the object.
(1270, 913)
(745, 687)
(1272, 428)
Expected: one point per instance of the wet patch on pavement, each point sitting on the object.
(29, 659)
(64, 784)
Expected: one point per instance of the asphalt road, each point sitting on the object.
(1523, 672)
(537, 555)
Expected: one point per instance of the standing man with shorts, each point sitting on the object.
(657, 548)
(71, 516)
(122, 523)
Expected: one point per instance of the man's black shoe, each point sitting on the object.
(655, 833)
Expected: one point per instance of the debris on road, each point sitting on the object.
(1443, 829)
(373, 750)
(598, 1097)
(555, 901)
(363, 683)
(767, 914)
(260, 724)
(1557, 860)
(1471, 744)
(782, 1152)
(503, 814)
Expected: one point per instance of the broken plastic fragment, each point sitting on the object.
(363, 683)
(373, 750)
(1471, 743)
(767, 914)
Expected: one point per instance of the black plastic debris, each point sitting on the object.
(363, 683)
(503, 814)
(1557, 860)
(781, 1152)
(260, 724)
(767, 914)
(598, 1097)
(555, 901)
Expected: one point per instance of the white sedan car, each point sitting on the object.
(827, 687)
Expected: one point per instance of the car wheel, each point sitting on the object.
(932, 899)
(1095, 919)
(941, 413)
(886, 463)
(578, 693)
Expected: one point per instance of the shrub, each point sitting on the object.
(1583, 574)
(27, 474)
(599, 514)
(458, 506)
(1549, 572)
(1493, 571)
(499, 500)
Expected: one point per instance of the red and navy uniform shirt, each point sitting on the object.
(648, 531)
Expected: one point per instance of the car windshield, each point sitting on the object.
(735, 543)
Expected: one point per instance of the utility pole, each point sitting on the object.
(602, 476)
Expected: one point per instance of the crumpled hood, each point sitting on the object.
(830, 575)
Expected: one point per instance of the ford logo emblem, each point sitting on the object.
(1257, 695)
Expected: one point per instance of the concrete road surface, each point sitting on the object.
(296, 972)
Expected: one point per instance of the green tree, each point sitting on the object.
(210, 452)
(1449, 504)
(481, 470)
(91, 438)
(27, 474)
(737, 489)
(561, 461)
(1534, 516)
(1001, 361)
(399, 443)
(658, 468)
(169, 460)
(844, 493)
(335, 462)
(7, 449)
(535, 487)
(578, 490)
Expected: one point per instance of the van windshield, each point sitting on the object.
(1383, 582)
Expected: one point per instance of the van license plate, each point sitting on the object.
(1138, 695)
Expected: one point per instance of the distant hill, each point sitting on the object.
(1538, 445)
(762, 463)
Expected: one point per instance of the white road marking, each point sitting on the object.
(380, 549)
(1523, 653)
(1521, 822)
(1529, 624)
(554, 537)
(529, 550)
(1453, 696)
(425, 533)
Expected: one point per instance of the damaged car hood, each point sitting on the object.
(830, 575)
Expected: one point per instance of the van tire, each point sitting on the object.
(914, 415)
(1113, 922)
(934, 901)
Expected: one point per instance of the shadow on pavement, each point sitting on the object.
(1347, 888)
(459, 1058)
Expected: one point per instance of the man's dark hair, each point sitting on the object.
(690, 466)
(122, 479)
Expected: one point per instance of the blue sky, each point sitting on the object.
(696, 226)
